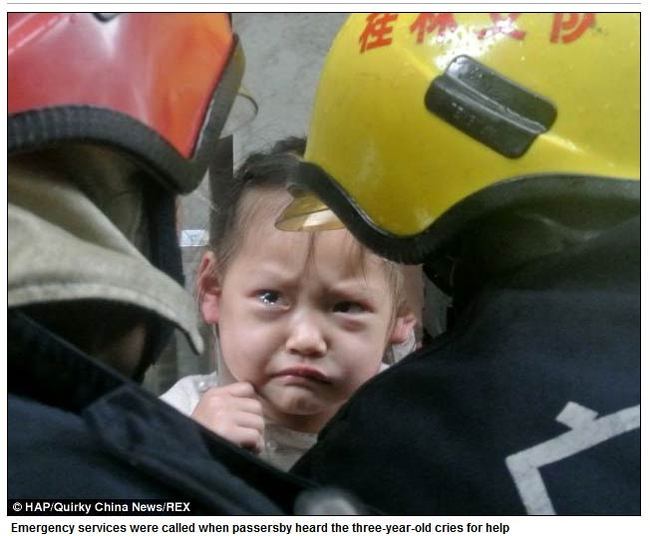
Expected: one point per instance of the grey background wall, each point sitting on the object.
(284, 55)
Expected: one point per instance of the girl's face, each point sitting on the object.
(300, 318)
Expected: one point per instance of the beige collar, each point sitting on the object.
(62, 247)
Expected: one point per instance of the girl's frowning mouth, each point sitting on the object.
(308, 373)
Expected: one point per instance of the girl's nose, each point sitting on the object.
(306, 337)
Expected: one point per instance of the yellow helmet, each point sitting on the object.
(424, 121)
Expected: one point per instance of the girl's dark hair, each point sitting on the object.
(270, 169)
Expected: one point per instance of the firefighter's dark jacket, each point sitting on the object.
(78, 430)
(530, 403)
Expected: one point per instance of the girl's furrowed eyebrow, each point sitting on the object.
(354, 288)
(277, 276)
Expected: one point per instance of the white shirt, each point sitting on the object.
(282, 446)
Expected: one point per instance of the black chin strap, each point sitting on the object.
(165, 254)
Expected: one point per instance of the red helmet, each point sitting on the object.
(158, 86)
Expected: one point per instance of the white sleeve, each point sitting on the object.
(184, 395)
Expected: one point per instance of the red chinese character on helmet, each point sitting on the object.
(428, 22)
(503, 24)
(568, 27)
(377, 31)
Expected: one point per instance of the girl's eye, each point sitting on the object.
(349, 307)
(269, 297)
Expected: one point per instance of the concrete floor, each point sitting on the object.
(284, 55)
